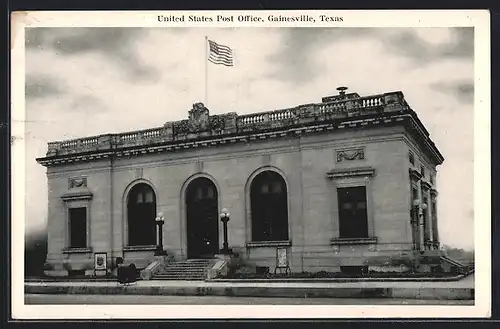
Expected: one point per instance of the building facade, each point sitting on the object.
(345, 184)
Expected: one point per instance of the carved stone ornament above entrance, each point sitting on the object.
(351, 154)
(77, 182)
(199, 118)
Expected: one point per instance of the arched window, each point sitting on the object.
(268, 198)
(141, 209)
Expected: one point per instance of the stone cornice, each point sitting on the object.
(204, 131)
(218, 141)
(264, 244)
(351, 172)
(417, 129)
(77, 250)
(139, 248)
(353, 241)
(81, 195)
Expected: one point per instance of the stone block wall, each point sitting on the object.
(312, 200)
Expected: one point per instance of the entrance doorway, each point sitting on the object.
(202, 215)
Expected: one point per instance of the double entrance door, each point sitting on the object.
(202, 219)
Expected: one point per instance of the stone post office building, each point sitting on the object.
(336, 183)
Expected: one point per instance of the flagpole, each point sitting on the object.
(206, 72)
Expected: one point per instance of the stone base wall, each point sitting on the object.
(329, 259)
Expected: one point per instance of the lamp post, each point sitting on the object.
(160, 221)
(224, 217)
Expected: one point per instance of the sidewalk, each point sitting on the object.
(453, 290)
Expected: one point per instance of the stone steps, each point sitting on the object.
(194, 269)
(188, 264)
(174, 271)
(180, 277)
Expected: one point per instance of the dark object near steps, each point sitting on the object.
(193, 269)
(127, 274)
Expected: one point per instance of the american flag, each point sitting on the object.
(219, 54)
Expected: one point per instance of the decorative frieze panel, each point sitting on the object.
(77, 182)
(181, 127)
(217, 122)
(351, 154)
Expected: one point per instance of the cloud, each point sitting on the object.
(462, 91)
(36, 38)
(86, 102)
(463, 45)
(41, 86)
(410, 44)
(118, 44)
(293, 62)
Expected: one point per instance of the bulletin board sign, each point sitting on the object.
(282, 260)
(100, 263)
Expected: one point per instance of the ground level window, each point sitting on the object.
(78, 227)
(353, 219)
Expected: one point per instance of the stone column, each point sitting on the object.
(416, 231)
(430, 220)
(425, 187)
(435, 229)
(421, 227)
(421, 218)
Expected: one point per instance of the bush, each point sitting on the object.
(35, 254)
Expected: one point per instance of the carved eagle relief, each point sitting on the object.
(199, 118)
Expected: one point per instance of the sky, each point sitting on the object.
(89, 81)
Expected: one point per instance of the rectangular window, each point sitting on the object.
(78, 227)
(411, 158)
(422, 171)
(353, 218)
